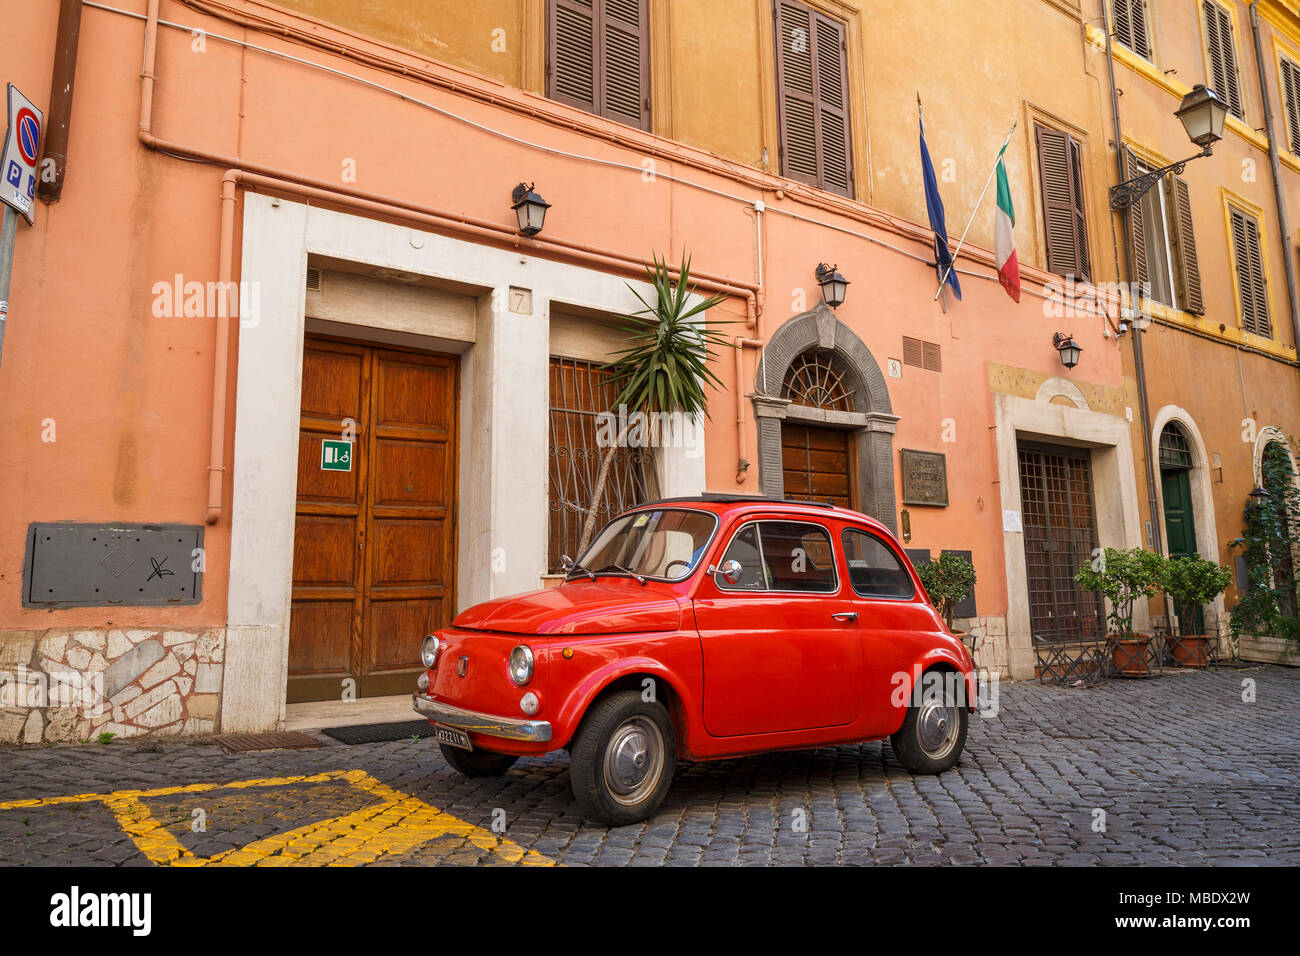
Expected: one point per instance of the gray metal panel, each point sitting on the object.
(966, 606)
(98, 565)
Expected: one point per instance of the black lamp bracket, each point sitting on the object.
(1129, 193)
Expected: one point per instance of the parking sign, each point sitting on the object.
(22, 146)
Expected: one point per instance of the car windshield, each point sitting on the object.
(665, 543)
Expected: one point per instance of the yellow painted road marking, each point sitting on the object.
(395, 823)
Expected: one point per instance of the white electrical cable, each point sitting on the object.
(639, 170)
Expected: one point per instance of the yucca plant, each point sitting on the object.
(666, 368)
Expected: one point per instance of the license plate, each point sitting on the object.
(452, 737)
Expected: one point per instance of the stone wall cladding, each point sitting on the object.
(991, 651)
(71, 685)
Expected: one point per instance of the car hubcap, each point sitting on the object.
(936, 729)
(634, 760)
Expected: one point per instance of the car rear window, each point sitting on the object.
(874, 569)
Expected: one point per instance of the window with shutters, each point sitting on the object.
(1164, 258)
(812, 89)
(1131, 26)
(1248, 264)
(598, 57)
(1065, 223)
(1290, 76)
(1221, 43)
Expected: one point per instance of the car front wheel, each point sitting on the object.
(623, 758)
(934, 730)
(477, 763)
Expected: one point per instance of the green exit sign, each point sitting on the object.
(336, 455)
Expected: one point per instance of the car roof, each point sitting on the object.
(727, 504)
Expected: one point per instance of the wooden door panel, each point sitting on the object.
(319, 637)
(317, 485)
(409, 553)
(325, 552)
(410, 473)
(414, 393)
(331, 382)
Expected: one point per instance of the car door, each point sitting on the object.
(895, 628)
(777, 657)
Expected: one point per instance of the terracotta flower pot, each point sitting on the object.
(1129, 654)
(1191, 651)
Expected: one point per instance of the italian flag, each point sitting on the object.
(1008, 263)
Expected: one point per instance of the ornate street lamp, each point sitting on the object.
(1203, 115)
(834, 286)
(1070, 350)
(530, 208)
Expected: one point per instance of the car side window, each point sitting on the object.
(744, 549)
(874, 569)
(798, 557)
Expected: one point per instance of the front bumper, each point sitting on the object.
(531, 731)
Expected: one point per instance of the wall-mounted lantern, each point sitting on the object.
(530, 208)
(1203, 115)
(834, 286)
(1070, 350)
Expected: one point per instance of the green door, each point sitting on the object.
(1180, 532)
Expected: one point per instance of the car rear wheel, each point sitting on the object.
(934, 730)
(623, 759)
(477, 763)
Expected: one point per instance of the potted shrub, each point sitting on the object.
(1124, 577)
(1192, 581)
(947, 580)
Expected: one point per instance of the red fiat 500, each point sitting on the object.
(700, 629)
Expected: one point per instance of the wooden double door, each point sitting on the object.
(374, 550)
(817, 464)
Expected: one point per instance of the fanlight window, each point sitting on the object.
(1175, 452)
(818, 380)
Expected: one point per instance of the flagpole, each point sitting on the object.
(993, 172)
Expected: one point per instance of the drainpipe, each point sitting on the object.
(1274, 161)
(62, 82)
(742, 343)
(1139, 366)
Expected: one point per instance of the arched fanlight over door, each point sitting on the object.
(816, 379)
(1175, 450)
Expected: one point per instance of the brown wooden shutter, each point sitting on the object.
(1131, 26)
(598, 58)
(571, 54)
(1060, 179)
(812, 94)
(1138, 266)
(1291, 93)
(626, 55)
(1250, 274)
(833, 105)
(1223, 55)
(796, 92)
(1188, 268)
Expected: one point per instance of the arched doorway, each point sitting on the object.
(825, 424)
(1176, 463)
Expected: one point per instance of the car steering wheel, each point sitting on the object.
(668, 571)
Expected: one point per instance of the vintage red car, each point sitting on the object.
(702, 629)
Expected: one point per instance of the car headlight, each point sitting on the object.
(521, 664)
(429, 652)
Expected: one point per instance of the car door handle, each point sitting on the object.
(846, 616)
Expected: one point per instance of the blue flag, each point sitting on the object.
(934, 206)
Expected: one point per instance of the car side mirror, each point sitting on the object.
(731, 571)
(566, 563)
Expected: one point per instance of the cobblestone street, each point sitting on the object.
(1185, 770)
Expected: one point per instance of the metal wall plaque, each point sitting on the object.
(925, 478)
(94, 565)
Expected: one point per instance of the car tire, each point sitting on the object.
(477, 763)
(623, 759)
(934, 729)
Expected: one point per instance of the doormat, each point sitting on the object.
(280, 740)
(378, 733)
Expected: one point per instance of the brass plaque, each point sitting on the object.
(925, 478)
